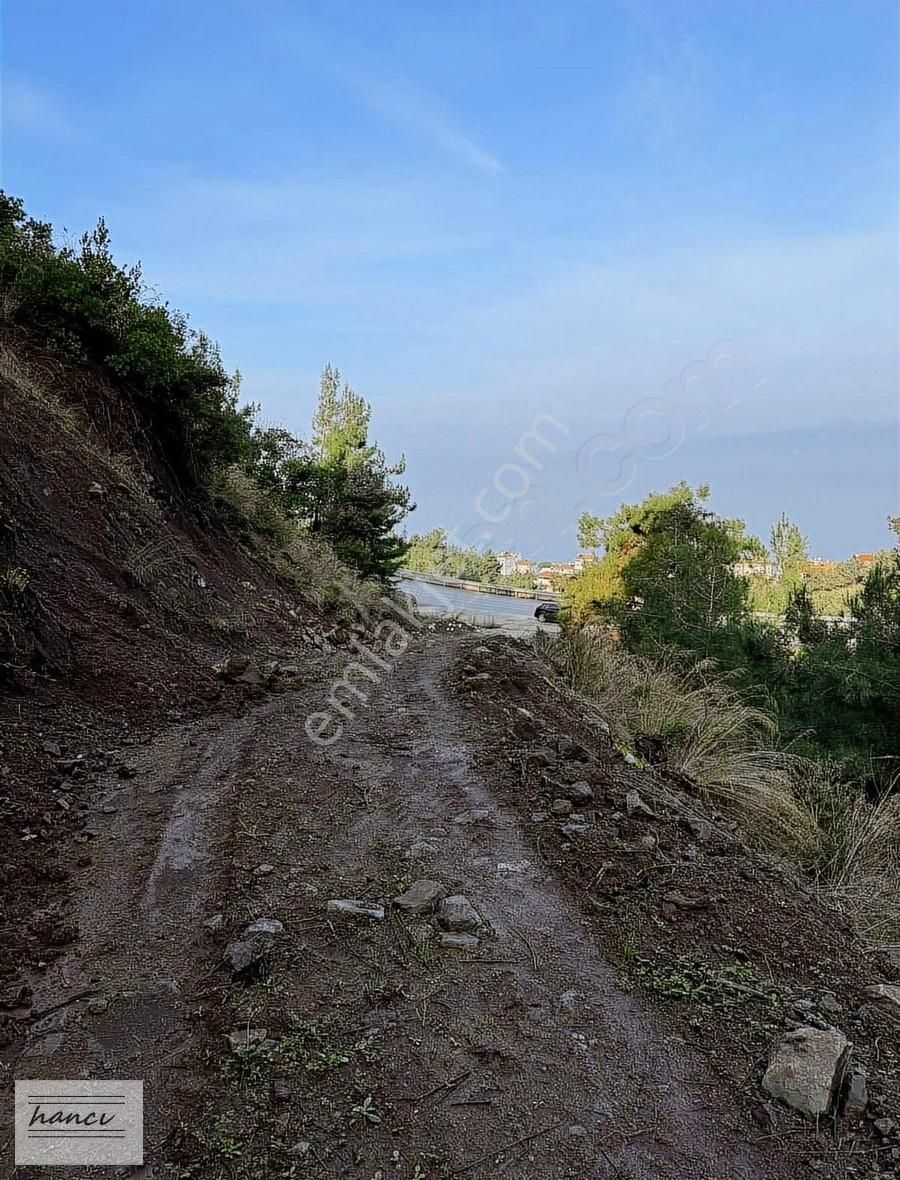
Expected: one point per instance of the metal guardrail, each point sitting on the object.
(480, 587)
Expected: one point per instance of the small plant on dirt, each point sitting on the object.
(369, 1048)
(14, 580)
(713, 985)
(225, 1143)
(306, 1048)
(364, 1112)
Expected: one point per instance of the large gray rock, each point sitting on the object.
(421, 896)
(807, 1069)
(458, 915)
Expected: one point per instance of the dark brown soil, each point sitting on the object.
(115, 602)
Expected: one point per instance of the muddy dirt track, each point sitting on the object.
(383, 1055)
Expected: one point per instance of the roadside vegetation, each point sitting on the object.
(75, 302)
(792, 727)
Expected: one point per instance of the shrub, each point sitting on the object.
(81, 303)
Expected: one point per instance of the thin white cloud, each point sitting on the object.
(397, 100)
(401, 104)
(36, 110)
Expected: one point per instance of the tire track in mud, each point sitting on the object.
(564, 1045)
(563, 1074)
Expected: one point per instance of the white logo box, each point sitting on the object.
(73, 1121)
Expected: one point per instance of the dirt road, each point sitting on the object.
(382, 1054)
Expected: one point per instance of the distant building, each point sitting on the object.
(508, 562)
(865, 559)
(523, 566)
(754, 568)
(553, 574)
(584, 559)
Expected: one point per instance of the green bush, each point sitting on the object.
(82, 304)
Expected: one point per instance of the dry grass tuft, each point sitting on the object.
(855, 860)
(790, 806)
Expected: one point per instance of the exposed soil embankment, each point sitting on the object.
(116, 600)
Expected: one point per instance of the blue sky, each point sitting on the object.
(483, 212)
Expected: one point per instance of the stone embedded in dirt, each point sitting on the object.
(268, 927)
(474, 815)
(575, 829)
(683, 902)
(215, 922)
(542, 756)
(763, 1117)
(290, 671)
(127, 770)
(231, 667)
(52, 748)
(885, 1127)
(459, 942)
(856, 1098)
(807, 1069)
(245, 1038)
(562, 807)
(420, 849)
(246, 956)
(580, 792)
(263, 870)
(635, 805)
(69, 765)
(700, 829)
(538, 817)
(421, 896)
(354, 908)
(886, 996)
(301, 1148)
(830, 1003)
(457, 913)
(97, 1005)
(572, 751)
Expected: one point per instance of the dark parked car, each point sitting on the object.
(547, 612)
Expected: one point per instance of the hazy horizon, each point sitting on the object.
(491, 213)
